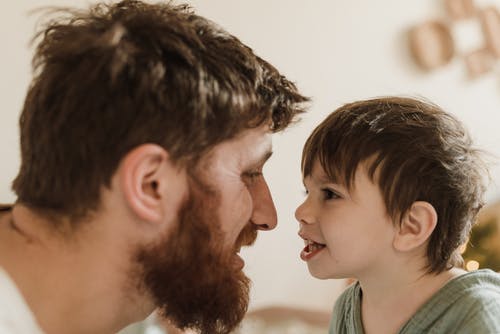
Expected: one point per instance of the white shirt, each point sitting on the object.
(15, 315)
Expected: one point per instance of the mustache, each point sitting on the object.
(247, 236)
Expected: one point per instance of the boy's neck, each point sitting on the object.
(387, 304)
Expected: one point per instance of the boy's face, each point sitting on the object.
(346, 233)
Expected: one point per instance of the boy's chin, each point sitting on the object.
(319, 272)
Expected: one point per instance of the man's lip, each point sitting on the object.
(247, 236)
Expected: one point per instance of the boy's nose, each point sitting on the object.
(303, 214)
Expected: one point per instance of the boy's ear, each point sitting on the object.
(416, 226)
(143, 176)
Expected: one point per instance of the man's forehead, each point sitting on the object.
(254, 146)
(250, 147)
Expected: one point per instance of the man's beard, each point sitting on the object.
(190, 275)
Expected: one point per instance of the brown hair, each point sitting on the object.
(417, 153)
(116, 76)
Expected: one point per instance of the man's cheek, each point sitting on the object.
(236, 212)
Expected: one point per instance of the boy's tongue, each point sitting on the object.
(311, 249)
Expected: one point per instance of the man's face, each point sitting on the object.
(194, 273)
(234, 169)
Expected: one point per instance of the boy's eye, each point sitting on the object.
(329, 194)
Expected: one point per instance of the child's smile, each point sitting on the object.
(311, 249)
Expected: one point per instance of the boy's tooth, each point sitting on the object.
(312, 246)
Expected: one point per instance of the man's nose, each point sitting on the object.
(264, 212)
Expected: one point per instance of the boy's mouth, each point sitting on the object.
(311, 249)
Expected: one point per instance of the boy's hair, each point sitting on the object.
(116, 76)
(415, 152)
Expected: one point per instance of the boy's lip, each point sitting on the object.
(307, 238)
(312, 247)
(308, 253)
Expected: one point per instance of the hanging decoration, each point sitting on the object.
(433, 44)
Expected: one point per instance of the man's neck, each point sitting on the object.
(72, 287)
(390, 301)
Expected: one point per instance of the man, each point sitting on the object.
(143, 138)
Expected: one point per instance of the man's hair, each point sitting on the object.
(119, 75)
(414, 151)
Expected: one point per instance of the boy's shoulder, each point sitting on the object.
(478, 285)
(481, 290)
(459, 307)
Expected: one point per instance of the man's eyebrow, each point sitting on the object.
(262, 160)
(266, 157)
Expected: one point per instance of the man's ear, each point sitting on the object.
(416, 226)
(143, 174)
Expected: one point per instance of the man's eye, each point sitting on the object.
(329, 194)
(252, 176)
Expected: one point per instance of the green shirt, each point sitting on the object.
(468, 304)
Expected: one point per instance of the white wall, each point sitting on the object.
(337, 51)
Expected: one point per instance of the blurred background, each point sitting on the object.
(336, 51)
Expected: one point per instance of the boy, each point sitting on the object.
(393, 188)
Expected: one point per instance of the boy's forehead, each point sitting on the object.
(318, 174)
(337, 177)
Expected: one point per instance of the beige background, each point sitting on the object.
(337, 51)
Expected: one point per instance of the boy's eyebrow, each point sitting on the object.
(325, 179)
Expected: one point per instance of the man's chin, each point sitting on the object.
(202, 287)
(217, 308)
